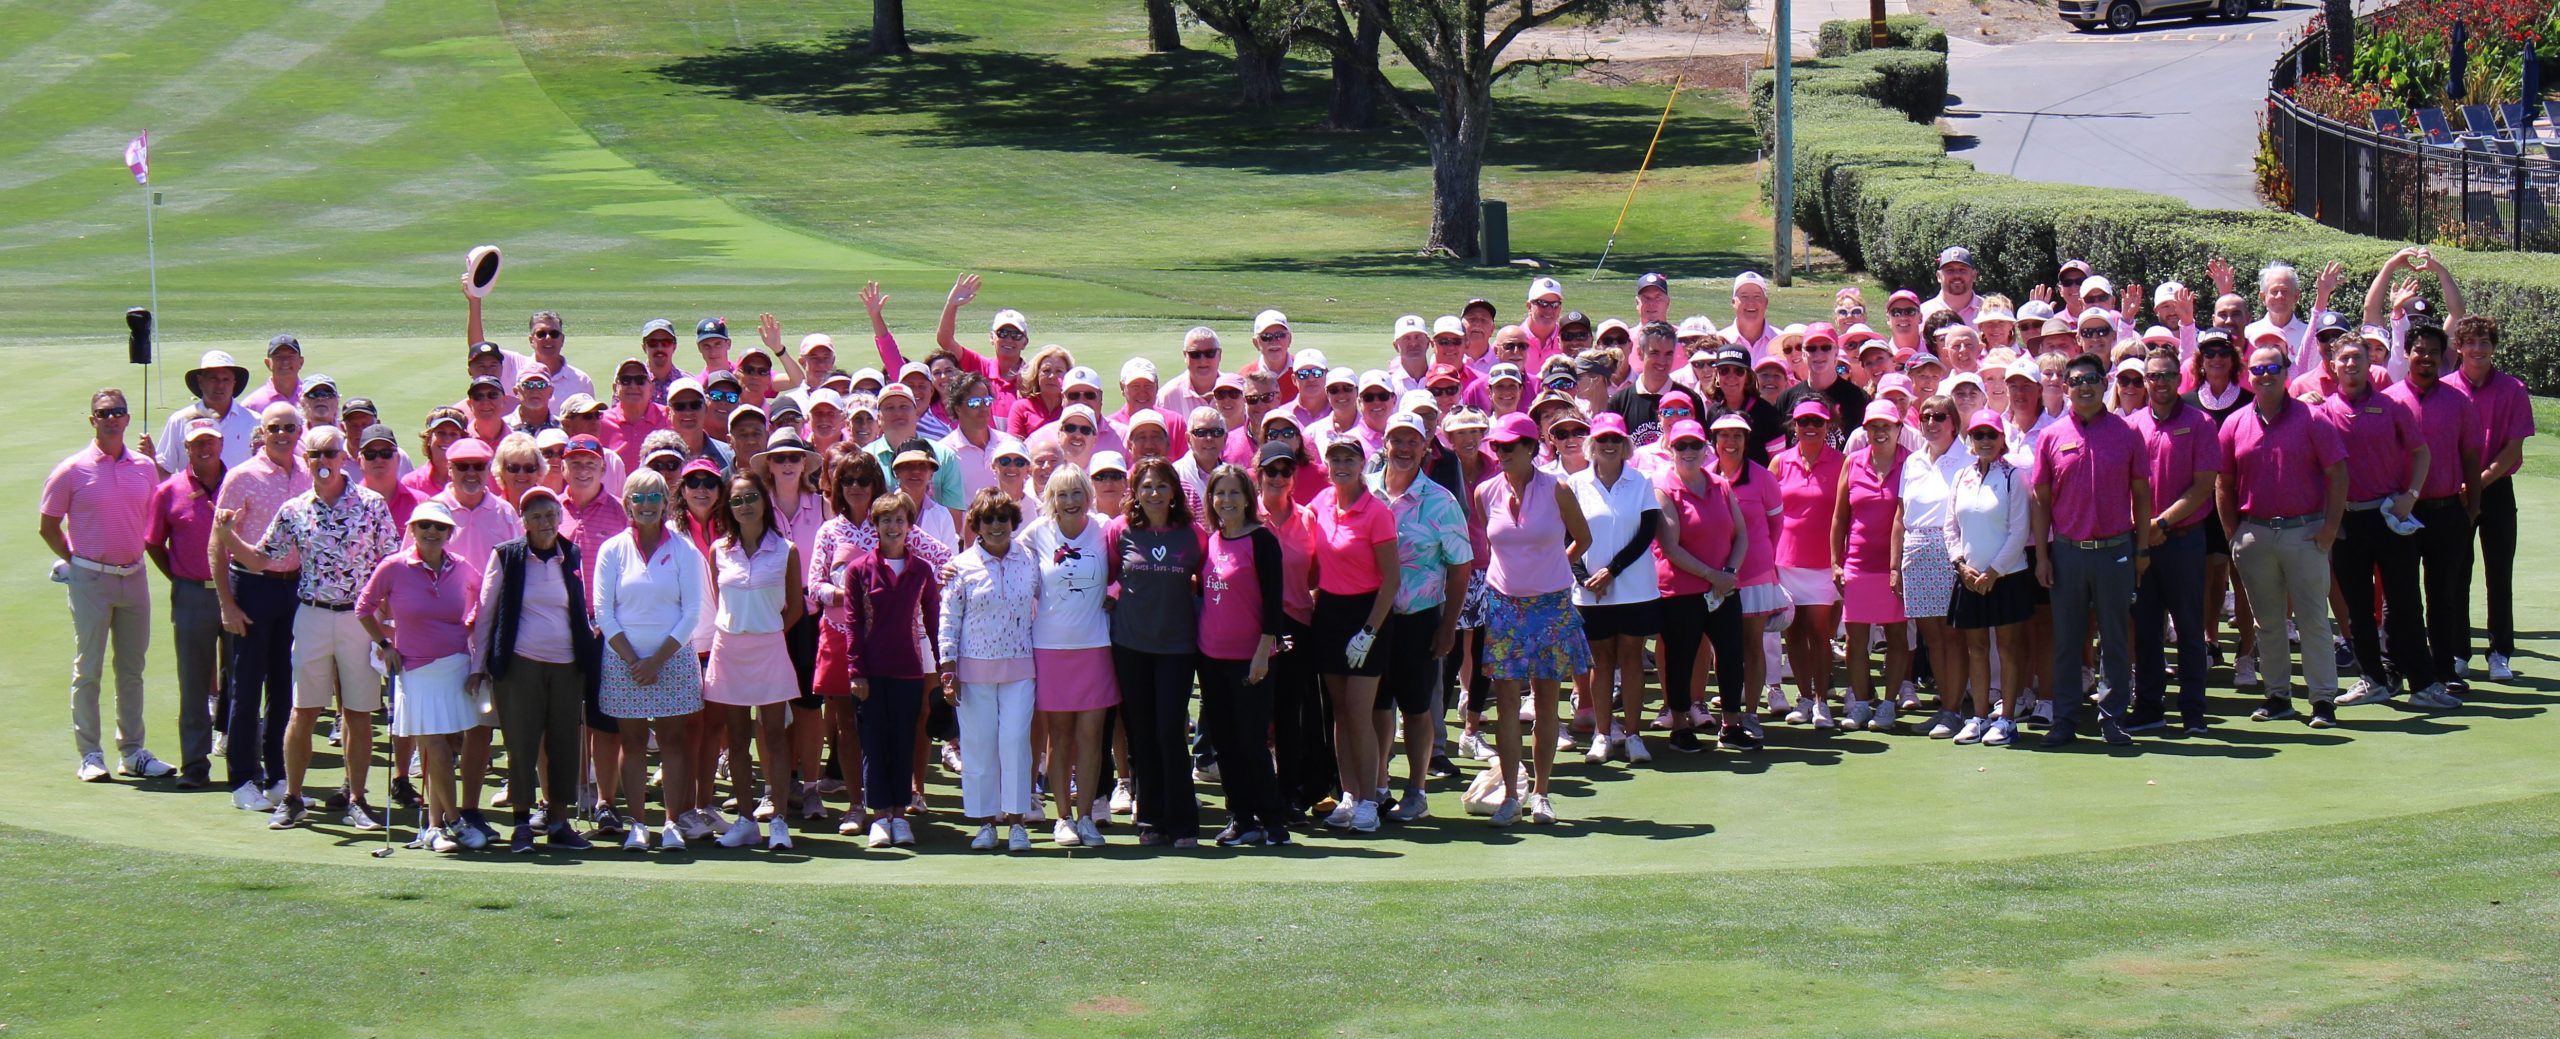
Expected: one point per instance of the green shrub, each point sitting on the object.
(1901, 31)
(1874, 184)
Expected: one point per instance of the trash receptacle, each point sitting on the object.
(1495, 219)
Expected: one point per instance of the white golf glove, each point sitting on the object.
(1357, 652)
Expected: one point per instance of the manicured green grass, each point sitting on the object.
(325, 162)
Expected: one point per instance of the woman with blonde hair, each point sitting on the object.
(1071, 648)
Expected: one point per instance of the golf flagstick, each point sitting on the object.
(137, 157)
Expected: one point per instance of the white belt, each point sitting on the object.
(86, 563)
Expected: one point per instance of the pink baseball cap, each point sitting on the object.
(1882, 411)
(1513, 428)
(1608, 424)
(1688, 429)
(468, 449)
(1983, 418)
(1810, 408)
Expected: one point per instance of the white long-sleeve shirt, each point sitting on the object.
(1987, 519)
(988, 605)
(648, 601)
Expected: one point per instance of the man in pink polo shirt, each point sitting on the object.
(2387, 461)
(181, 525)
(1750, 328)
(1544, 323)
(284, 376)
(2185, 457)
(2447, 499)
(2501, 419)
(633, 415)
(1273, 344)
(2283, 497)
(2093, 514)
(95, 514)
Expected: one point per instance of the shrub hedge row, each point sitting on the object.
(1874, 184)
(1901, 31)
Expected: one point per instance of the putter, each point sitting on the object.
(391, 769)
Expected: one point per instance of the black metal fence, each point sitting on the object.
(2472, 191)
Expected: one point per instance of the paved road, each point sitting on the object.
(2172, 108)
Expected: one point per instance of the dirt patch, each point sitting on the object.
(1108, 1006)
(1704, 71)
(1992, 21)
(1687, 28)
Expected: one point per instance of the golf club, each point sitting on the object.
(391, 762)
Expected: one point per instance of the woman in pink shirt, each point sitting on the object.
(1808, 476)
(1862, 542)
(799, 512)
(1357, 570)
(418, 607)
(1241, 620)
(1696, 559)
(1040, 390)
(1533, 535)
(755, 598)
(1301, 740)
(1755, 490)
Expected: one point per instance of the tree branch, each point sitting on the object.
(1523, 64)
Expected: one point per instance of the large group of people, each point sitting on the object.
(1987, 516)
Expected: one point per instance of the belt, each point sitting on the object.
(2443, 502)
(340, 607)
(2283, 522)
(2369, 506)
(287, 576)
(86, 563)
(2093, 546)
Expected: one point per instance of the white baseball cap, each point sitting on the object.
(1750, 278)
(815, 340)
(1012, 318)
(1448, 325)
(1697, 325)
(1544, 287)
(1137, 368)
(2167, 291)
(1340, 377)
(1414, 401)
(871, 374)
(1374, 377)
(1308, 358)
(1408, 420)
(2096, 284)
(1109, 462)
(1411, 324)
(1269, 319)
(1083, 376)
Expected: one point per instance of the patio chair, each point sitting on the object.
(2387, 122)
(2477, 119)
(2432, 126)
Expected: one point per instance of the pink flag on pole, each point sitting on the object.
(137, 157)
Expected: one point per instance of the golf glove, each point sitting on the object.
(1357, 652)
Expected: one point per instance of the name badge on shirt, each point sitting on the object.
(2182, 431)
(2069, 447)
(2373, 409)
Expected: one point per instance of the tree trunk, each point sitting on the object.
(1457, 174)
(1355, 96)
(889, 27)
(1164, 35)
(1259, 69)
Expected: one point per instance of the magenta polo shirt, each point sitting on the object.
(104, 503)
(1344, 541)
(2280, 467)
(2443, 417)
(182, 522)
(2501, 412)
(2379, 433)
(1809, 492)
(1761, 508)
(2180, 448)
(2091, 465)
(1706, 532)
(431, 609)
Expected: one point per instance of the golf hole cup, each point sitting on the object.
(481, 263)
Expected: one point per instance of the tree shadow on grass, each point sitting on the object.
(1179, 108)
(1571, 266)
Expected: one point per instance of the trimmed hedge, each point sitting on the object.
(1902, 31)
(1874, 184)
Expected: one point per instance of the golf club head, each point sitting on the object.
(383, 852)
(481, 263)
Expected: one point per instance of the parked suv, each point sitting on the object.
(2124, 15)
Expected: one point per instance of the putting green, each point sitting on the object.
(1807, 800)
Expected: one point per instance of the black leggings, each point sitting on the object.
(1685, 619)
(1236, 716)
(1302, 724)
(1155, 698)
(2497, 557)
(887, 721)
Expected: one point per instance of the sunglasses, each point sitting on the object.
(1902, 312)
(323, 393)
(320, 453)
(523, 470)
(2084, 379)
(479, 396)
(684, 405)
(631, 380)
(469, 467)
(738, 501)
(1208, 432)
(555, 453)
(1821, 348)
(1810, 420)
(1985, 434)
(702, 483)
(1690, 445)
(546, 333)
(1084, 396)
(1677, 413)
(1290, 432)
(1567, 434)
(1012, 462)
(648, 498)
(1282, 469)
(723, 396)
(2169, 376)
(380, 456)
(1546, 304)
(111, 412)
(2072, 283)
(2217, 351)
(1259, 399)
(1444, 391)
(1201, 355)
(2129, 379)
(667, 467)
(1376, 398)
(2265, 371)
(1574, 336)
(1227, 393)
(1271, 337)
(759, 371)
(288, 427)
(1932, 416)
(534, 384)
(1076, 431)
(2095, 333)
(1012, 335)
(1111, 477)
(1850, 312)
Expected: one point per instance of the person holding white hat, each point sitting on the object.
(1750, 327)
(216, 382)
(544, 335)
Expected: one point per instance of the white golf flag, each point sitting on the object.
(137, 157)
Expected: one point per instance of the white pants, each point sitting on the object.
(995, 748)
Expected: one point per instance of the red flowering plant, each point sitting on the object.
(2404, 51)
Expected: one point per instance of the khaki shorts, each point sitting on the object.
(333, 662)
